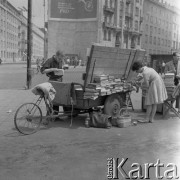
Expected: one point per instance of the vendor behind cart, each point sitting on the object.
(53, 69)
(56, 62)
(172, 67)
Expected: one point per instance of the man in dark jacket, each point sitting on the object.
(56, 61)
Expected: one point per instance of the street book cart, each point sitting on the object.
(108, 83)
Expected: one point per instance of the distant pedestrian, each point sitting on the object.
(0, 61)
(38, 65)
(163, 67)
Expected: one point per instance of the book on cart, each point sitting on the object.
(99, 78)
(58, 72)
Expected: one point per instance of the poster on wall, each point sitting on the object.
(73, 10)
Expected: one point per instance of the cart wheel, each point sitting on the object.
(67, 110)
(28, 118)
(113, 105)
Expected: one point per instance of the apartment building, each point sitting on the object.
(74, 25)
(13, 35)
(161, 25)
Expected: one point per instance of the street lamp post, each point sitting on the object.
(29, 45)
(44, 31)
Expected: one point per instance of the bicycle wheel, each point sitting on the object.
(28, 118)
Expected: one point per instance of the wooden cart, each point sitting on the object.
(112, 61)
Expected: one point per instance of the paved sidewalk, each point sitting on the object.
(64, 152)
(10, 101)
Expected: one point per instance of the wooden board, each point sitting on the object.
(111, 61)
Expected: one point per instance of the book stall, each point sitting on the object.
(107, 82)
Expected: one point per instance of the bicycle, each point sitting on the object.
(28, 117)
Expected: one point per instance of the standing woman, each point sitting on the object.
(156, 90)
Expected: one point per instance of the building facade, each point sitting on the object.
(74, 26)
(161, 27)
(13, 35)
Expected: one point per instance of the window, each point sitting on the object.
(105, 34)
(151, 30)
(136, 26)
(137, 11)
(162, 42)
(155, 30)
(147, 17)
(151, 19)
(138, 43)
(150, 51)
(109, 35)
(150, 40)
(146, 39)
(154, 40)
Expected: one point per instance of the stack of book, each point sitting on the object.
(170, 90)
(105, 85)
(169, 79)
(100, 78)
(92, 91)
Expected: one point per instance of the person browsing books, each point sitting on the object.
(156, 90)
(171, 67)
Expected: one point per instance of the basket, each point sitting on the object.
(123, 121)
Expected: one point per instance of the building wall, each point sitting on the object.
(13, 35)
(71, 37)
(160, 28)
(9, 31)
(76, 37)
(37, 43)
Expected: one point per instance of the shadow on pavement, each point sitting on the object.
(14, 134)
(66, 122)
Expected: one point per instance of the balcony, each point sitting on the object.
(109, 9)
(135, 32)
(108, 25)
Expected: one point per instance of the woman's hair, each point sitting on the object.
(136, 66)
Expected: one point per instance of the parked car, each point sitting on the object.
(65, 66)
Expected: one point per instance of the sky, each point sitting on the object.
(37, 10)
